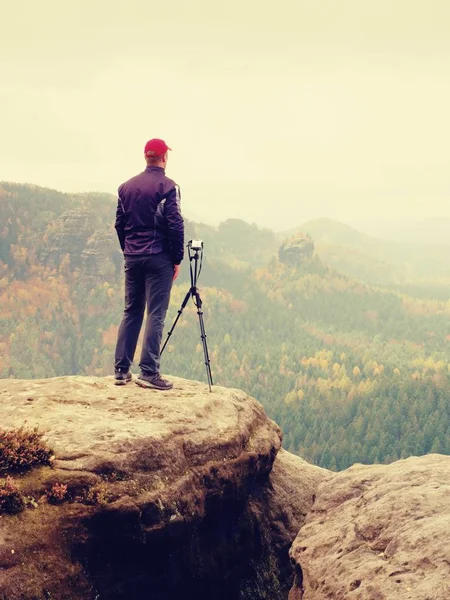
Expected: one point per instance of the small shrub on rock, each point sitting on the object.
(11, 500)
(98, 495)
(57, 493)
(22, 449)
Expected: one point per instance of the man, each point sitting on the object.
(151, 234)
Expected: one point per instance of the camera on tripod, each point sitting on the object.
(195, 252)
(195, 245)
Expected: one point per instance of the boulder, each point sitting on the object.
(165, 494)
(378, 533)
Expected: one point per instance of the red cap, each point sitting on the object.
(156, 147)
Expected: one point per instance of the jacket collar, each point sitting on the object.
(153, 168)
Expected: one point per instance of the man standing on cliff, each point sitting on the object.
(151, 234)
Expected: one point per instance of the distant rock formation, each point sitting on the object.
(75, 240)
(96, 256)
(296, 250)
(160, 495)
(73, 230)
(378, 533)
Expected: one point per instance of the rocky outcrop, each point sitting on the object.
(97, 256)
(297, 250)
(188, 494)
(73, 242)
(378, 533)
(72, 231)
(165, 495)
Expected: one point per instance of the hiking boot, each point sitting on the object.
(122, 377)
(155, 382)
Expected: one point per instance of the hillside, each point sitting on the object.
(351, 371)
(333, 232)
(378, 260)
(428, 231)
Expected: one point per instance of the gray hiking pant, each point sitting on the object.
(148, 282)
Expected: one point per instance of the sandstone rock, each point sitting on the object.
(97, 256)
(74, 228)
(282, 506)
(180, 479)
(296, 250)
(378, 533)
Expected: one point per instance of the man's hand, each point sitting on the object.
(176, 270)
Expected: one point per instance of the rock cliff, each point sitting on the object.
(72, 231)
(74, 237)
(158, 495)
(188, 495)
(100, 254)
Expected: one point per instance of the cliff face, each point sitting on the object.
(74, 227)
(165, 495)
(74, 237)
(101, 254)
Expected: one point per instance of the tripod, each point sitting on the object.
(195, 253)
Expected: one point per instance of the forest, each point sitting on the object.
(347, 349)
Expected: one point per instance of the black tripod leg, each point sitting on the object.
(205, 349)
(180, 310)
(198, 303)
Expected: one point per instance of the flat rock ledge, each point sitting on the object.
(180, 479)
(164, 441)
(378, 533)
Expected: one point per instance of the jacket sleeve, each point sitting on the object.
(120, 224)
(175, 225)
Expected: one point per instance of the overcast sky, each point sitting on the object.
(276, 111)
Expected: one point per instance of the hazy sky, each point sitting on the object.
(276, 111)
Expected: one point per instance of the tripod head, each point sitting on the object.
(195, 245)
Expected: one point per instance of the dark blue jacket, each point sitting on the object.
(148, 218)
